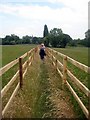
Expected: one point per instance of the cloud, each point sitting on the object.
(30, 18)
(89, 14)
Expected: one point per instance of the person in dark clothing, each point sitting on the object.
(42, 52)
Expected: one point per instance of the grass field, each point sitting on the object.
(41, 95)
(11, 52)
(78, 53)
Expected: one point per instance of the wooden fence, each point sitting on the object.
(20, 73)
(65, 72)
(59, 66)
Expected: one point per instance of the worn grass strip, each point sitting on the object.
(41, 95)
(40, 107)
(33, 96)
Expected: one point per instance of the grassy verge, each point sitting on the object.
(32, 99)
(81, 55)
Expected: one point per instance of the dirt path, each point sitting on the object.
(41, 95)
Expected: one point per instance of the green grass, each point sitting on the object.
(78, 53)
(37, 85)
(32, 97)
(41, 94)
(9, 53)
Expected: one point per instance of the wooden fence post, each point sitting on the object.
(36, 49)
(56, 61)
(27, 59)
(56, 53)
(56, 64)
(52, 56)
(33, 54)
(20, 72)
(64, 69)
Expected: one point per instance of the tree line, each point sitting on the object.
(14, 39)
(53, 38)
(56, 38)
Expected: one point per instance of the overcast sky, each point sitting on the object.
(28, 17)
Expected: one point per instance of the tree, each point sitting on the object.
(26, 39)
(73, 43)
(45, 32)
(11, 40)
(15, 39)
(35, 40)
(6, 40)
(56, 32)
(57, 38)
(0, 41)
(66, 39)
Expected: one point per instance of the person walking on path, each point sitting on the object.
(42, 52)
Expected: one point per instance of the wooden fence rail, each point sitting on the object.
(60, 67)
(64, 72)
(21, 73)
(74, 62)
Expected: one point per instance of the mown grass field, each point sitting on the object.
(81, 55)
(78, 53)
(41, 95)
(10, 53)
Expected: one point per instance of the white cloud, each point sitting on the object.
(72, 17)
(89, 15)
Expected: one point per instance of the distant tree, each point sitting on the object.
(0, 41)
(6, 40)
(55, 37)
(59, 39)
(73, 43)
(86, 42)
(46, 41)
(56, 32)
(26, 39)
(14, 39)
(45, 32)
(66, 39)
(11, 40)
(87, 38)
(35, 40)
(40, 40)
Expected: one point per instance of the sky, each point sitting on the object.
(28, 17)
